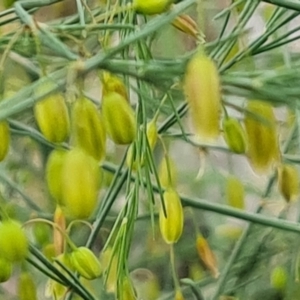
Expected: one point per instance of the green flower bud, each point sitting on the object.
(288, 182)
(178, 295)
(279, 278)
(112, 83)
(86, 263)
(26, 287)
(203, 94)
(235, 193)
(54, 172)
(88, 128)
(152, 134)
(260, 124)
(118, 118)
(171, 225)
(51, 114)
(151, 7)
(234, 135)
(5, 269)
(13, 241)
(80, 183)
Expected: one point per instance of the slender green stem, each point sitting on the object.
(78, 288)
(226, 210)
(285, 3)
(29, 201)
(195, 289)
(173, 267)
(104, 209)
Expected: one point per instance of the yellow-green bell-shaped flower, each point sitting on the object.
(151, 7)
(54, 168)
(13, 241)
(234, 135)
(118, 118)
(51, 114)
(171, 225)
(26, 287)
(5, 269)
(80, 184)
(203, 94)
(88, 130)
(85, 262)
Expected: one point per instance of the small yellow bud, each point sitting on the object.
(118, 118)
(86, 263)
(13, 241)
(5, 269)
(178, 295)
(260, 124)
(151, 7)
(152, 134)
(234, 135)
(51, 114)
(171, 225)
(4, 138)
(202, 90)
(288, 182)
(53, 173)
(279, 278)
(80, 182)
(26, 287)
(112, 83)
(88, 128)
(235, 193)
